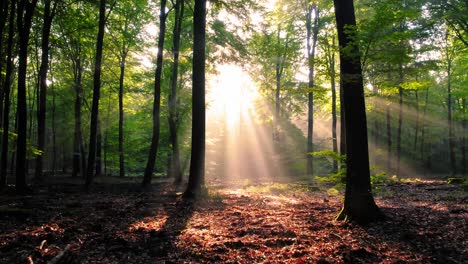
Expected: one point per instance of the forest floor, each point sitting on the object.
(426, 222)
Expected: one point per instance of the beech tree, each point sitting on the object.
(197, 155)
(359, 203)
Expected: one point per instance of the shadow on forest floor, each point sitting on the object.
(426, 223)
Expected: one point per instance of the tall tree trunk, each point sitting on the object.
(312, 32)
(54, 124)
(175, 169)
(423, 126)
(389, 139)
(449, 120)
(334, 119)
(96, 94)
(78, 136)
(157, 99)
(400, 117)
(98, 150)
(24, 19)
(3, 19)
(41, 113)
(359, 204)
(463, 139)
(197, 161)
(416, 129)
(121, 112)
(6, 88)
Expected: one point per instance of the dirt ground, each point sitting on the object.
(426, 222)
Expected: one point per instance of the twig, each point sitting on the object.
(57, 258)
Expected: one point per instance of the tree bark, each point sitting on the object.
(449, 120)
(312, 32)
(400, 118)
(41, 113)
(121, 112)
(78, 157)
(463, 139)
(96, 95)
(3, 19)
(157, 99)
(416, 129)
(24, 20)
(197, 161)
(359, 204)
(98, 150)
(389, 139)
(6, 88)
(174, 166)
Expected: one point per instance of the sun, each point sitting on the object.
(231, 94)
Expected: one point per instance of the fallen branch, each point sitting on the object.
(57, 258)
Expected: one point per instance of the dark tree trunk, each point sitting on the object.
(54, 124)
(6, 88)
(3, 19)
(400, 119)
(174, 167)
(312, 32)
(78, 138)
(389, 140)
(197, 161)
(157, 99)
(449, 120)
(463, 139)
(333, 90)
(41, 113)
(416, 129)
(359, 204)
(24, 19)
(98, 151)
(423, 130)
(96, 94)
(121, 112)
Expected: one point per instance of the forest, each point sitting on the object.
(233, 131)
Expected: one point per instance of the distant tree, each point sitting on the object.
(25, 12)
(359, 203)
(197, 161)
(157, 98)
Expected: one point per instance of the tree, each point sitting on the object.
(312, 33)
(197, 155)
(25, 13)
(359, 204)
(175, 169)
(157, 98)
(6, 89)
(96, 93)
(49, 13)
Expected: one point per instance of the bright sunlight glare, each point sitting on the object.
(238, 147)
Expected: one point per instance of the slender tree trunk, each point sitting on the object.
(41, 113)
(449, 120)
(423, 126)
(98, 150)
(175, 169)
(197, 161)
(463, 139)
(3, 19)
(106, 135)
(389, 140)
(312, 32)
(157, 99)
(24, 19)
(400, 118)
(416, 129)
(96, 94)
(6, 88)
(334, 119)
(359, 204)
(121, 113)
(78, 138)
(54, 124)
